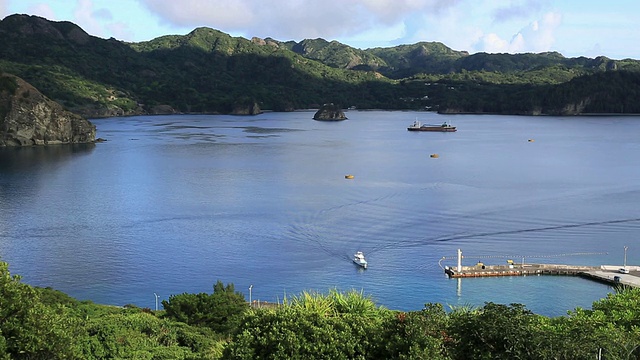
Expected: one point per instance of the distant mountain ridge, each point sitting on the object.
(336, 54)
(209, 71)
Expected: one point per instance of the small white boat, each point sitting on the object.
(359, 259)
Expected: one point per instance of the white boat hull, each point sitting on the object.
(359, 260)
(360, 263)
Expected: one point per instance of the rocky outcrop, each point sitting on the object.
(246, 109)
(329, 112)
(575, 108)
(29, 118)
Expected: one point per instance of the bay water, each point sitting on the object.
(171, 204)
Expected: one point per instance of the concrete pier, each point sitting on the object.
(609, 274)
(614, 277)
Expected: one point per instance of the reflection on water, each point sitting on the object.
(171, 204)
(23, 169)
(28, 157)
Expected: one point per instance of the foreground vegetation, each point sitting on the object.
(38, 323)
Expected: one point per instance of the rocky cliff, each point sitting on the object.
(29, 118)
(330, 112)
(246, 109)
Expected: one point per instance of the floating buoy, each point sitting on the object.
(348, 176)
(434, 155)
(530, 140)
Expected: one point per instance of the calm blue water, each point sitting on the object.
(171, 204)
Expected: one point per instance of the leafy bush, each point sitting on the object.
(219, 311)
(31, 329)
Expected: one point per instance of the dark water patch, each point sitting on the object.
(262, 137)
(28, 157)
(262, 130)
(186, 127)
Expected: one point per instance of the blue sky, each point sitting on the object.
(574, 28)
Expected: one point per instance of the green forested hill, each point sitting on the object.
(336, 54)
(210, 71)
(423, 57)
(203, 71)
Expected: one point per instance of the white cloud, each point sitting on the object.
(189, 13)
(119, 30)
(449, 25)
(538, 36)
(517, 10)
(43, 10)
(85, 17)
(390, 11)
(3, 8)
(102, 14)
(100, 21)
(292, 19)
(492, 43)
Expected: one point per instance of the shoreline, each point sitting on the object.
(384, 110)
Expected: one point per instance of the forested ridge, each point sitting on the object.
(208, 71)
(42, 323)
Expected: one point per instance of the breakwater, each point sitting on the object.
(609, 274)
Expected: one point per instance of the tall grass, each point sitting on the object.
(335, 303)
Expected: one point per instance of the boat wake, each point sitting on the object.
(395, 222)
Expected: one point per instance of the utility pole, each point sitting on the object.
(156, 295)
(250, 287)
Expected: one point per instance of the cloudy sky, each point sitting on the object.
(571, 27)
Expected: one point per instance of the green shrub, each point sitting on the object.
(219, 311)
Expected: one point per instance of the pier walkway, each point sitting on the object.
(609, 274)
(614, 277)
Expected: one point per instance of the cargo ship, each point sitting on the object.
(417, 126)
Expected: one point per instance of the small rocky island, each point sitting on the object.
(29, 118)
(329, 112)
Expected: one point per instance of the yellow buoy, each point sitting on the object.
(434, 155)
(348, 176)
